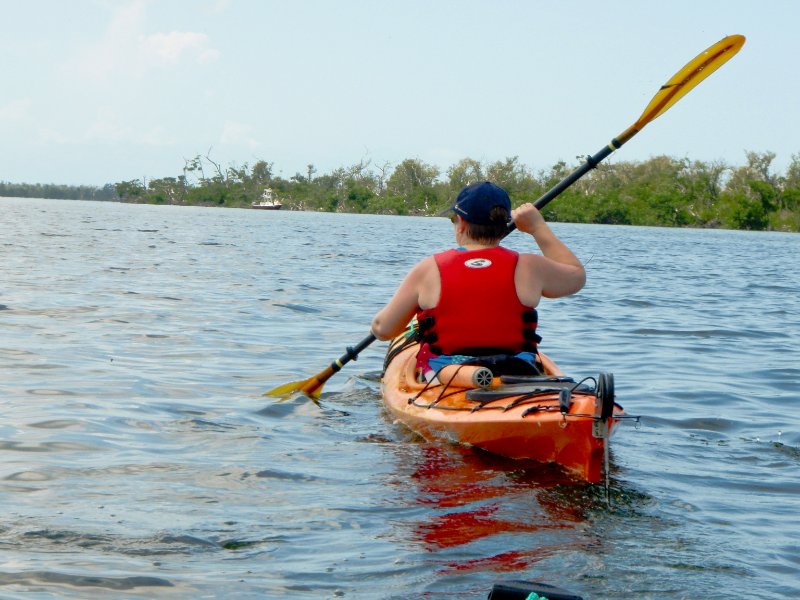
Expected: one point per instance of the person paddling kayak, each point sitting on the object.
(480, 299)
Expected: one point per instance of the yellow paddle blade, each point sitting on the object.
(311, 387)
(286, 389)
(695, 71)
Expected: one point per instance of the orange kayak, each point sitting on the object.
(549, 418)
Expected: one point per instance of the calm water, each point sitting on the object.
(140, 460)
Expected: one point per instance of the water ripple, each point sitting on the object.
(48, 578)
(140, 458)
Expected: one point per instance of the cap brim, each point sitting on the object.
(449, 209)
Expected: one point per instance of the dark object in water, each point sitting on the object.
(523, 590)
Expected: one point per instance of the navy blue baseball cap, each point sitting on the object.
(475, 202)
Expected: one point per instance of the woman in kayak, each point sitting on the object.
(479, 300)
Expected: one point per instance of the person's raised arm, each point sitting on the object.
(558, 272)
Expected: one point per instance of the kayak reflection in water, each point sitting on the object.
(475, 497)
(479, 299)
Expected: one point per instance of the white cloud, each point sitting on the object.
(126, 48)
(169, 48)
(108, 128)
(218, 6)
(116, 49)
(237, 134)
(16, 110)
(50, 137)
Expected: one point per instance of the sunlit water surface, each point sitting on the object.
(139, 458)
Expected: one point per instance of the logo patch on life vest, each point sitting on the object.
(478, 263)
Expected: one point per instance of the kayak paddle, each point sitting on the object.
(312, 387)
(695, 71)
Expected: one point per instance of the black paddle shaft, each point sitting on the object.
(557, 189)
(352, 353)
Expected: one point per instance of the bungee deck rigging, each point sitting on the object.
(548, 417)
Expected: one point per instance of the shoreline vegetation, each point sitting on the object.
(661, 191)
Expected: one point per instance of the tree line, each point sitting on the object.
(58, 191)
(660, 191)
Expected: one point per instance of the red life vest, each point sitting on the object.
(479, 312)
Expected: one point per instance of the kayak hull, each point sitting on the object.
(519, 421)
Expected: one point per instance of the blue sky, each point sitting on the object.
(98, 91)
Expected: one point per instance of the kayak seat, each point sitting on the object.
(506, 364)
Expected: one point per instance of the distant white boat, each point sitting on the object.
(267, 202)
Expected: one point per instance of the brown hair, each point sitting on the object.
(494, 231)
